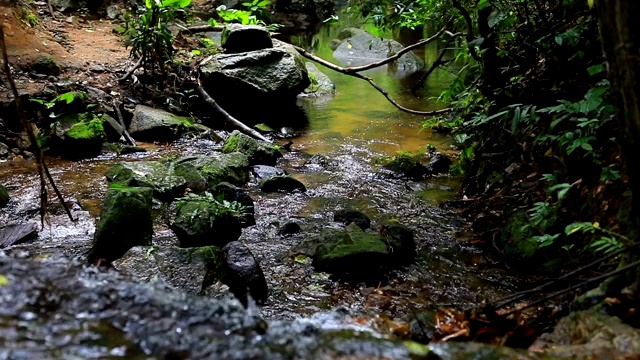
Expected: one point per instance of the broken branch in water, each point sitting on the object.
(43, 170)
(347, 71)
(228, 118)
(131, 141)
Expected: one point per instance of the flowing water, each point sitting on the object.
(347, 134)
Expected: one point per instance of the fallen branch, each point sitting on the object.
(228, 118)
(130, 72)
(43, 170)
(121, 122)
(436, 64)
(346, 71)
(201, 28)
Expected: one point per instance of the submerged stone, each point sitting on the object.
(125, 222)
(258, 152)
(348, 216)
(405, 165)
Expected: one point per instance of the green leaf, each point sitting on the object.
(4, 281)
(67, 97)
(590, 3)
(595, 69)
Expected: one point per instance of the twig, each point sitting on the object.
(571, 288)
(228, 118)
(130, 72)
(469, 23)
(37, 151)
(434, 66)
(346, 71)
(121, 122)
(201, 28)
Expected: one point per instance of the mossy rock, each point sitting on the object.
(4, 196)
(356, 254)
(258, 152)
(232, 168)
(157, 175)
(204, 223)
(125, 222)
(230, 192)
(149, 124)
(80, 136)
(46, 65)
(405, 165)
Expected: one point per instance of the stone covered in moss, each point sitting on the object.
(46, 65)
(192, 270)
(203, 221)
(257, 151)
(354, 253)
(157, 175)
(157, 125)
(4, 196)
(405, 165)
(80, 136)
(125, 222)
(232, 168)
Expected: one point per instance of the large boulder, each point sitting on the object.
(258, 152)
(321, 85)
(192, 270)
(79, 136)
(149, 124)
(125, 222)
(237, 38)
(274, 72)
(364, 48)
(243, 274)
(202, 220)
(157, 175)
(355, 254)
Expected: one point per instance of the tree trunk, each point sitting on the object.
(620, 36)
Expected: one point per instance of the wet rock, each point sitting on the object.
(321, 85)
(438, 164)
(405, 165)
(46, 65)
(79, 136)
(230, 192)
(364, 48)
(125, 222)
(281, 183)
(320, 160)
(423, 327)
(265, 172)
(243, 274)
(258, 152)
(191, 270)
(348, 216)
(17, 234)
(232, 168)
(289, 228)
(66, 310)
(400, 238)
(159, 176)
(112, 128)
(4, 196)
(204, 221)
(4, 151)
(149, 124)
(354, 254)
(130, 149)
(237, 38)
(589, 334)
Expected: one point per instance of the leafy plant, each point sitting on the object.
(60, 102)
(219, 206)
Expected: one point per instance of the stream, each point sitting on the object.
(335, 156)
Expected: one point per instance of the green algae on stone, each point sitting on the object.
(157, 175)
(232, 168)
(125, 222)
(258, 152)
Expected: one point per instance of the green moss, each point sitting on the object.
(231, 145)
(212, 258)
(92, 129)
(516, 239)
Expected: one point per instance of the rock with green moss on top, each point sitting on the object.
(125, 222)
(79, 136)
(359, 255)
(405, 166)
(4, 196)
(157, 175)
(202, 220)
(46, 65)
(149, 124)
(258, 152)
(192, 270)
(284, 183)
(232, 168)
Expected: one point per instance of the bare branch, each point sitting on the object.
(37, 151)
(469, 22)
(130, 72)
(434, 66)
(346, 71)
(228, 118)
